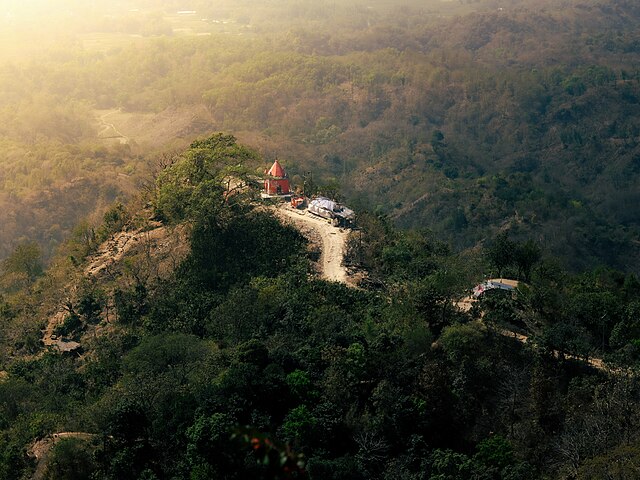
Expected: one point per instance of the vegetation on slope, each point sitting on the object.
(519, 118)
(242, 365)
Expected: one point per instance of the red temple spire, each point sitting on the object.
(276, 181)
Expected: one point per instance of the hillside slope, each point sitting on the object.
(235, 361)
(520, 117)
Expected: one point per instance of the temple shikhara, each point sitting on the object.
(276, 182)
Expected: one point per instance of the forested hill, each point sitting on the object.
(207, 348)
(464, 118)
(471, 137)
(533, 132)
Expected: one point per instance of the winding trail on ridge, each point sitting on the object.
(467, 303)
(110, 127)
(41, 449)
(331, 240)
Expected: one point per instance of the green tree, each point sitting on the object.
(195, 185)
(210, 451)
(114, 220)
(70, 459)
(131, 304)
(71, 326)
(449, 465)
(297, 425)
(300, 385)
(620, 463)
(90, 304)
(501, 252)
(24, 264)
(525, 256)
(462, 342)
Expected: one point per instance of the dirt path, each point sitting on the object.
(50, 340)
(113, 250)
(109, 253)
(331, 240)
(109, 130)
(41, 449)
(465, 305)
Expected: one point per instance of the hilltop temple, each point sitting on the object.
(276, 182)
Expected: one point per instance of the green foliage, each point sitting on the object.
(396, 255)
(448, 465)
(526, 255)
(462, 342)
(297, 424)
(157, 353)
(443, 114)
(83, 240)
(128, 422)
(105, 366)
(132, 304)
(90, 305)
(502, 253)
(619, 464)
(22, 267)
(493, 460)
(300, 385)
(113, 221)
(435, 122)
(251, 245)
(194, 186)
(277, 460)
(389, 381)
(494, 451)
(72, 326)
(210, 452)
(70, 459)
(23, 428)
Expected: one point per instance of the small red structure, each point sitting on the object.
(298, 201)
(276, 181)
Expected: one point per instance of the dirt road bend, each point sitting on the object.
(331, 240)
(41, 449)
(109, 130)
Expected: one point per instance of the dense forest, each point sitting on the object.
(473, 138)
(240, 364)
(467, 118)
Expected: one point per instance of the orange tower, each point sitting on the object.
(276, 181)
